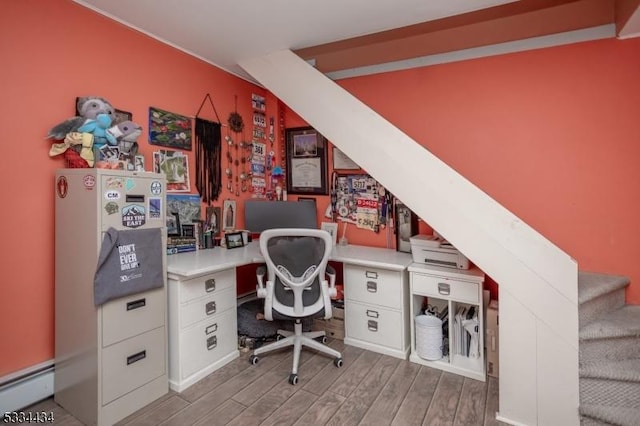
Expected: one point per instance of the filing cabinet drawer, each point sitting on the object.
(373, 285)
(208, 341)
(445, 288)
(132, 363)
(375, 325)
(132, 315)
(198, 287)
(199, 309)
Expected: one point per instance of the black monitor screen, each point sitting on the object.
(260, 215)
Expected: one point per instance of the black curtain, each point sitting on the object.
(208, 159)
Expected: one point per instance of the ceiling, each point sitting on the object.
(356, 35)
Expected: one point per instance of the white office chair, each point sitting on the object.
(296, 288)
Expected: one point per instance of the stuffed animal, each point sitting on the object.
(89, 107)
(126, 134)
(99, 129)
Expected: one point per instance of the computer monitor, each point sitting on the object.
(261, 214)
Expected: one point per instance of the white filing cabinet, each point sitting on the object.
(454, 289)
(111, 360)
(202, 326)
(376, 309)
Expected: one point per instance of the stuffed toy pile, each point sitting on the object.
(86, 134)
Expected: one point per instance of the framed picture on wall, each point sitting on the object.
(229, 215)
(306, 168)
(406, 227)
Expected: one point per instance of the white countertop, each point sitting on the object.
(200, 262)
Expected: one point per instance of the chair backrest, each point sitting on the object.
(296, 261)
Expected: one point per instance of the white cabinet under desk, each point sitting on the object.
(376, 291)
(455, 290)
(203, 312)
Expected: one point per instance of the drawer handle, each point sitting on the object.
(372, 325)
(371, 274)
(136, 357)
(372, 314)
(210, 308)
(212, 342)
(372, 286)
(444, 288)
(211, 329)
(140, 303)
(210, 285)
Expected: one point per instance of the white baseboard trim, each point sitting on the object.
(26, 387)
(508, 421)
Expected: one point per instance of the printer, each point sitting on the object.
(433, 250)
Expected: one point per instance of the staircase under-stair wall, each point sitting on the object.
(609, 352)
(538, 281)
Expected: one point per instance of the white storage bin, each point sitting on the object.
(429, 337)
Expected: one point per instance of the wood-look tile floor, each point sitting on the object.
(370, 389)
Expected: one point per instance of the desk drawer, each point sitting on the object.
(375, 325)
(207, 342)
(197, 310)
(373, 285)
(208, 284)
(129, 316)
(132, 363)
(445, 288)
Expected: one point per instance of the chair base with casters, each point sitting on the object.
(297, 339)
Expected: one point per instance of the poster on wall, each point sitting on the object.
(175, 166)
(187, 206)
(169, 129)
(358, 200)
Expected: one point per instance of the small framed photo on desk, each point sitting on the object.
(331, 228)
(234, 240)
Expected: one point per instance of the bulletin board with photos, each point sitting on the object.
(360, 200)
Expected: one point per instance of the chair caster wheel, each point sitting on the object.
(278, 337)
(337, 362)
(253, 359)
(293, 379)
(322, 339)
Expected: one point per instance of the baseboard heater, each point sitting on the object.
(26, 387)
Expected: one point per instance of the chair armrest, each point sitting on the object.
(260, 289)
(331, 273)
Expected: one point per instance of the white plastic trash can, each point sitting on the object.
(429, 337)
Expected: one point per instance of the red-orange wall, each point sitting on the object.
(552, 134)
(51, 52)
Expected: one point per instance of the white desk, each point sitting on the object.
(202, 307)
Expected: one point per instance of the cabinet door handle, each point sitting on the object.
(372, 286)
(212, 342)
(372, 314)
(211, 329)
(136, 357)
(372, 325)
(210, 285)
(210, 308)
(371, 274)
(135, 304)
(444, 289)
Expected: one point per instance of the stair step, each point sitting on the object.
(615, 336)
(611, 415)
(627, 370)
(594, 284)
(623, 322)
(599, 293)
(612, 393)
(614, 383)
